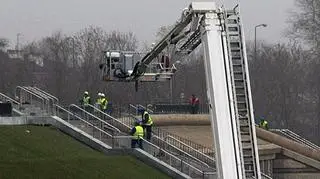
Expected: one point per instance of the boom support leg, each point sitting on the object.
(225, 139)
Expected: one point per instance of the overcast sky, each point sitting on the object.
(39, 18)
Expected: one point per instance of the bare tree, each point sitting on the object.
(305, 26)
(305, 23)
(122, 41)
(4, 43)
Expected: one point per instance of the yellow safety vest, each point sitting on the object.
(139, 133)
(263, 124)
(104, 103)
(149, 122)
(99, 101)
(86, 100)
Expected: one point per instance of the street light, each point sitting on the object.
(18, 44)
(18, 38)
(255, 38)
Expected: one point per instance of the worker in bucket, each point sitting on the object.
(137, 133)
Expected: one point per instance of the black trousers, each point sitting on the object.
(134, 142)
(148, 132)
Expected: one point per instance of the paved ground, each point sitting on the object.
(200, 134)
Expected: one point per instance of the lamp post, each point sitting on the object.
(18, 38)
(18, 44)
(255, 38)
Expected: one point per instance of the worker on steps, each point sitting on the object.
(103, 103)
(137, 133)
(264, 124)
(98, 101)
(85, 101)
(147, 124)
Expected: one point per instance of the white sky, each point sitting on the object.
(39, 18)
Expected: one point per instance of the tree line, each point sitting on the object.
(284, 77)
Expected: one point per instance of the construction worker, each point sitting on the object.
(86, 100)
(264, 124)
(98, 101)
(194, 103)
(137, 133)
(147, 124)
(103, 103)
(109, 108)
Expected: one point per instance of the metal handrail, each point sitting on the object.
(104, 122)
(177, 158)
(171, 156)
(88, 123)
(145, 108)
(186, 153)
(9, 99)
(265, 175)
(131, 105)
(168, 134)
(48, 94)
(41, 94)
(31, 93)
(303, 140)
(204, 155)
(134, 107)
(293, 136)
(154, 136)
(183, 152)
(182, 162)
(97, 109)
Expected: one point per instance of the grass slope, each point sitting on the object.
(46, 153)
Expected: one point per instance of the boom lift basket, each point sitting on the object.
(119, 65)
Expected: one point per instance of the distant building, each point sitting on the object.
(15, 54)
(20, 54)
(34, 58)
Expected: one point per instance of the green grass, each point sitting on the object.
(45, 153)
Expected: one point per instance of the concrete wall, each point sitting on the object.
(23, 120)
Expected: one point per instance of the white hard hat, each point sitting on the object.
(86, 92)
(102, 95)
(99, 94)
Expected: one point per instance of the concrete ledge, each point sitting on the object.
(301, 158)
(17, 120)
(24, 120)
(269, 149)
(288, 144)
